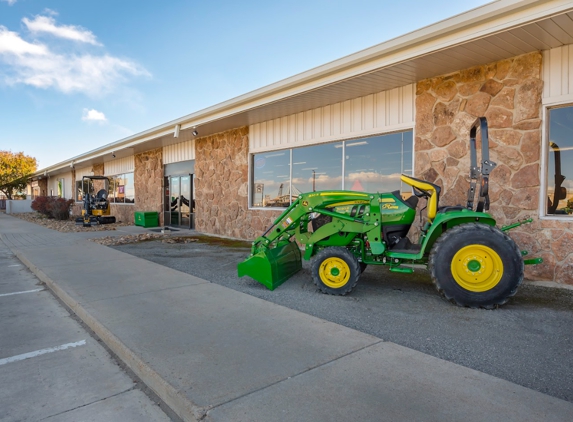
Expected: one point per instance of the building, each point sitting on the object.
(405, 105)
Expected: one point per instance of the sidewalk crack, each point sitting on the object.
(294, 376)
(149, 291)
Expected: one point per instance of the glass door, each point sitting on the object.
(179, 206)
(175, 203)
(185, 201)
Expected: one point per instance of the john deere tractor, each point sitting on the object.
(471, 261)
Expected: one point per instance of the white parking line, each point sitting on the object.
(15, 265)
(19, 293)
(40, 352)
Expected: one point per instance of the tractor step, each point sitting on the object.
(532, 261)
(405, 270)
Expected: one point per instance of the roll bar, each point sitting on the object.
(482, 172)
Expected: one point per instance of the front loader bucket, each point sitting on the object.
(272, 267)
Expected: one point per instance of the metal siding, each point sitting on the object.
(369, 112)
(558, 75)
(119, 166)
(336, 119)
(183, 151)
(85, 171)
(362, 116)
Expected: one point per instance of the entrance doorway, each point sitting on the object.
(179, 200)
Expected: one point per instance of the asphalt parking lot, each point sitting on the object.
(529, 341)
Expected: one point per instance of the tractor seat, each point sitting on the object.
(430, 188)
(101, 195)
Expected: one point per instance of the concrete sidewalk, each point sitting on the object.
(215, 353)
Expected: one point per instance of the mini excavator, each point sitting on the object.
(471, 261)
(96, 209)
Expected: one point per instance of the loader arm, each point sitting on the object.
(275, 256)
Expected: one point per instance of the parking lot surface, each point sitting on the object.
(51, 368)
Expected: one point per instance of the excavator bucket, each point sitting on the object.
(272, 267)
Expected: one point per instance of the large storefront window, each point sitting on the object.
(121, 189)
(559, 168)
(368, 165)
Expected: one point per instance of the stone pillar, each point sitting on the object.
(43, 186)
(148, 181)
(508, 93)
(221, 187)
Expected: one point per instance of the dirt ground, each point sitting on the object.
(65, 226)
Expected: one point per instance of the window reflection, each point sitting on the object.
(318, 167)
(559, 174)
(271, 176)
(375, 164)
(121, 189)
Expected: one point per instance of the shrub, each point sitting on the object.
(40, 204)
(60, 208)
(52, 207)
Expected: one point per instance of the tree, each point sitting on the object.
(15, 170)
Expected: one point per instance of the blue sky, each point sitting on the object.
(76, 75)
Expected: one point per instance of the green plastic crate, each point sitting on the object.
(147, 219)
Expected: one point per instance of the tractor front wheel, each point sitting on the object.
(476, 265)
(335, 270)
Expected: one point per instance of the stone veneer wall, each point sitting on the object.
(221, 187)
(508, 93)
(43, 186)
(148, 181)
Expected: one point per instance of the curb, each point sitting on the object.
(178, 403)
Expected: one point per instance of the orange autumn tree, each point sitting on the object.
(15, 170)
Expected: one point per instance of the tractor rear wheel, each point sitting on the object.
(476, 265)
(335, 270)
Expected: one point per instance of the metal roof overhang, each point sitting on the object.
(496, 31)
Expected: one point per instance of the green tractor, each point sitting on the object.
(471, 261)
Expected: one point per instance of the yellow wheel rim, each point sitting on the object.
(477, 268)
(334, 272)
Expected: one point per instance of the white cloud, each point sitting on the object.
(93, 116)
(46, 24)
(36, 64)
(10, 2)
(11, 43)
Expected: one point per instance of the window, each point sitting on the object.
(83, 186)
(559, 169)
(121, 189)
(61, 188)
(368, 165)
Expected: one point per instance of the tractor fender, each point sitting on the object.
(448, 220)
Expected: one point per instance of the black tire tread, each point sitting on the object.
(466, 229)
